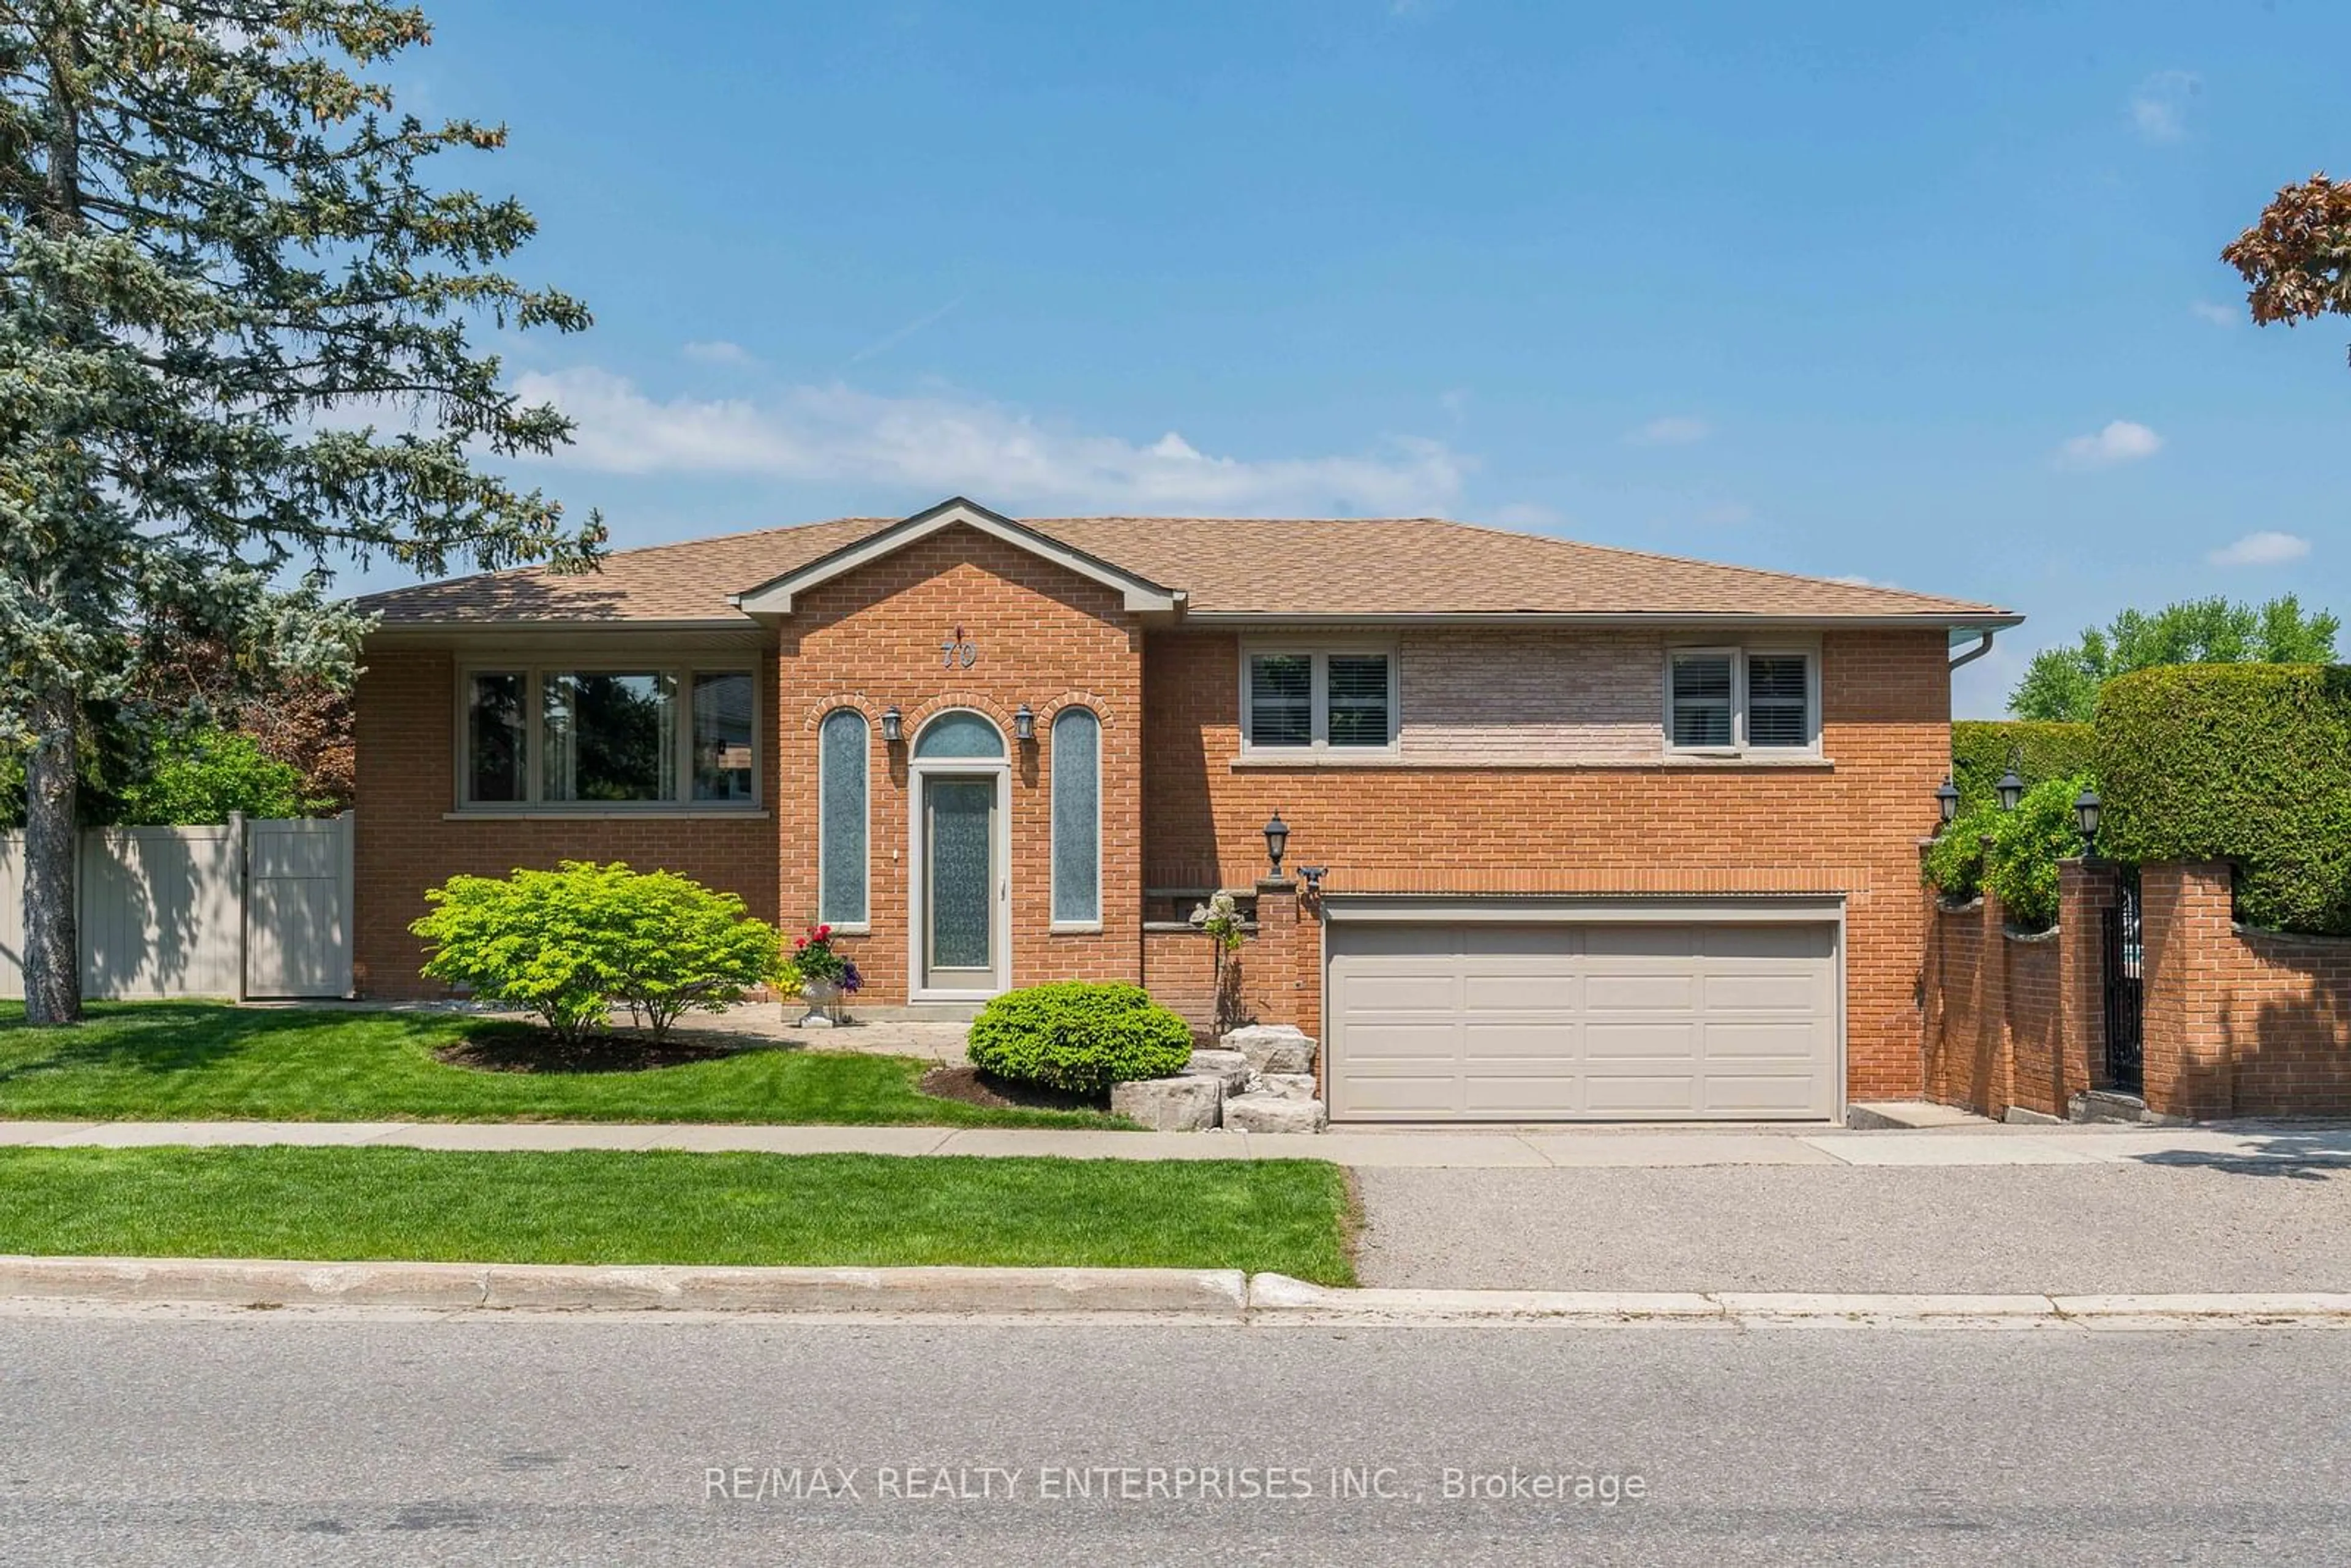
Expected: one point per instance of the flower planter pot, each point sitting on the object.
(823, 999)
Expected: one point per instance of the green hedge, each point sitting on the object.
(1078, 1037)
(1980, 749)
(2250, 763)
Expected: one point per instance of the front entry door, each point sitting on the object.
(960, 879)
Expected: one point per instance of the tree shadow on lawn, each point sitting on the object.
(167, 1038)
(521, 1048)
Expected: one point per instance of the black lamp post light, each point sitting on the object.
(2010, 788)
(1276, 839)
(1947, 800)
(2087, 810)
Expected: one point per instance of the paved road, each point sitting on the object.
(275, 1439)
(2224, 1225)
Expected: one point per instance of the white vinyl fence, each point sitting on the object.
(239, 909)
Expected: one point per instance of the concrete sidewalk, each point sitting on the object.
(2282, 1147)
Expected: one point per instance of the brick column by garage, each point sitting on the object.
(2086, 890)
(2186, 910)
(1283, 957)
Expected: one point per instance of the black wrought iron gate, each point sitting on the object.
(2124, 995)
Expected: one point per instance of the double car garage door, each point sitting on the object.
(1656, 1018)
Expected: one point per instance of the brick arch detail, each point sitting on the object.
(824, 708)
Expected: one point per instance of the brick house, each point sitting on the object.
(1598, 833)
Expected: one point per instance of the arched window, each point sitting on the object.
(959, 734)
(840, 819)
(1077, 818)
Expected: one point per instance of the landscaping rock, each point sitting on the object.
(1188, 1103)
(1271, 1113)
(1286, 1085)
(1230, 1068)
(1273, 1046)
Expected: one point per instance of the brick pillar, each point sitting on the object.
(1994, 1080)
(1284, 956)
(2086, 890)
(2186, 910)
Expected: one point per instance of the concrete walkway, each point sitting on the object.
(2277, 1146)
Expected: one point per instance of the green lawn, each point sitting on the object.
(663, 1207)
(200, 1061)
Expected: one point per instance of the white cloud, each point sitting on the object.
(1857, 580)
(1674, 430)
(2159, 107)
(2219, 315)
(2266, 547)
(719, 353)
(952, 443)
(2122, 440)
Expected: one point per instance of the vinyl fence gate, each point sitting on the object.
(238, 909)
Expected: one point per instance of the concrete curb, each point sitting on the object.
(1194, 1294)
(1208, 1295)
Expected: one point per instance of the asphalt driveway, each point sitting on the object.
(2087, 1228)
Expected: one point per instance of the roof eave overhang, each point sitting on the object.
(1140, 595)
(542, 626)
(1956, 620)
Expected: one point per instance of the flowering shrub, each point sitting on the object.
(1220, 917)
(814, 957)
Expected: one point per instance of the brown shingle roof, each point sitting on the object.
(1289, 567)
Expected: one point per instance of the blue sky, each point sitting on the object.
(1925, 294)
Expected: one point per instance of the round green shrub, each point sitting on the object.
(2249, 763)
(1078, 1037)
(1953, 864)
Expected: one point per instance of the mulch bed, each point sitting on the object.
(521, 1048)
(972, 1087)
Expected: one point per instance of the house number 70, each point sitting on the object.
(960, 654)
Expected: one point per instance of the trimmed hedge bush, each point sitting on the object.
(1078, 1037)
(2250, 763)
(1980, 749)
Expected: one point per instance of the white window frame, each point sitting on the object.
(1738, 653)
(1318, 703)
(533, 671)
(864, 924)
(1055, 924)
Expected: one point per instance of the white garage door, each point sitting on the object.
(1554, 1022)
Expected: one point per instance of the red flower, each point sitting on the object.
(799, 941)
(822, 932)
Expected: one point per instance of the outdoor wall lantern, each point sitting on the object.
(894, 726)
(1276, 839)
(2011, 787)
(1947, 800)
(2087, 810)
(1024, 724)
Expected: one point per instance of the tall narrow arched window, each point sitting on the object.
(1077, 818)
(840, 819)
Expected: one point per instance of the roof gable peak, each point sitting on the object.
(776, 596)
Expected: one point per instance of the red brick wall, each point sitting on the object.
(2240, 1022)
(1850, 829)
(1045, 636)
(2013, 1019)
(404, 711)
